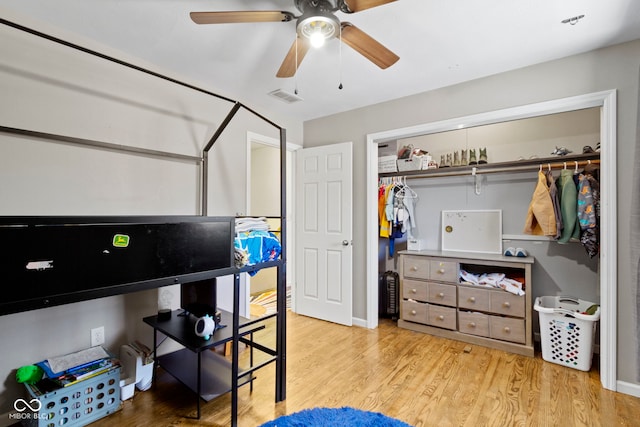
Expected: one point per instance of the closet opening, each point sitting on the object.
(467, 186)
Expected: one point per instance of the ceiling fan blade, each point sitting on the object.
(367, 46)
(241, 16)
(289, 66)
(359, 5)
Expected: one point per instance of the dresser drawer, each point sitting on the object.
(413, 289)
(415, 267)
(414, 311)
(444, 271)
(503, 302)
(473, 323)
(474, 298)
(507, 329)
(439, 293)
(442, 317)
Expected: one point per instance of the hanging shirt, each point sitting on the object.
(389, 194)
(398, 217)
(410, 222)
(385, 225)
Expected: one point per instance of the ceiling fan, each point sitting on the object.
(315, 24)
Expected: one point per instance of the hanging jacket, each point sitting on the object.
(586, 206)
(555, 200)
(541, 218)
(589, 213)
(568, 207)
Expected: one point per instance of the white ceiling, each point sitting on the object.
(440, 43)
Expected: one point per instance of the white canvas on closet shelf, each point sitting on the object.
(472, 231)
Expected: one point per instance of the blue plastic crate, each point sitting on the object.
(78, 404)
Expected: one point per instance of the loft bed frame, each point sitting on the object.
(55, 226)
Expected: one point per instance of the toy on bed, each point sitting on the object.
(254, 243)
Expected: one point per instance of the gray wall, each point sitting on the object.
(51, 88)
(511, 193)
(616, 67)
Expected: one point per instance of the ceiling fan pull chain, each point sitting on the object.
(340, 57)
(295, 76)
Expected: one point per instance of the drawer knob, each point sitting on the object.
(414, 268)
(507, 329)
(441, 294)
(472, 299)
(472, 324)
(506, 304)
(413, 312)
(441, 271)
(441, 317)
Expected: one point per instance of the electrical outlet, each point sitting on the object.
(97, 336)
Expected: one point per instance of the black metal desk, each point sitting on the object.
(206, 373)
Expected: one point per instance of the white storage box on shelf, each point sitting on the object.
(412, 164)
(567, 334)
(387, 164)
(427, 162)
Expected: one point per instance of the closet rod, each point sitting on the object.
(484, 169)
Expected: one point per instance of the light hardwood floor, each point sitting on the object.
(417, 378)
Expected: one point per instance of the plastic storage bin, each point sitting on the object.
(412, 164)
(387, 164)
(78, 404)
(567, 335)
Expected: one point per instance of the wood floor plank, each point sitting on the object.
(417, 378)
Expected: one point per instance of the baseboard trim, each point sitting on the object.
(629, 388)
(355, 321)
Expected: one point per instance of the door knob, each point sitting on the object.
(345, 243)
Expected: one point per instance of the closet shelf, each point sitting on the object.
(527, 165)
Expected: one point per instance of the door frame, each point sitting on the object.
(257, 138)
(608, 230)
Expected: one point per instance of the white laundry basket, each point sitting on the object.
(567, 334)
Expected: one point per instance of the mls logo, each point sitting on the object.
(22, 405)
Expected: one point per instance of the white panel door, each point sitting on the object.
(324, 231)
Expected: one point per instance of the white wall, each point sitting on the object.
(615, 67)
(51, 88)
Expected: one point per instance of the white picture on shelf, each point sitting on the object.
(472, 231)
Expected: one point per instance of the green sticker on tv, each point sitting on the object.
(120, 240)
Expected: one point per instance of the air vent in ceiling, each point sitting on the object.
(287, 97)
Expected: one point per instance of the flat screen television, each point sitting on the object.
(46, 261)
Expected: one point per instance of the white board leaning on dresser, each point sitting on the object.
(477, 231)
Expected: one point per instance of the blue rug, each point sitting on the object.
(333, 417)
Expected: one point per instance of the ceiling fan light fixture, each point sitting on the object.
(318, 28)
(317, 39)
